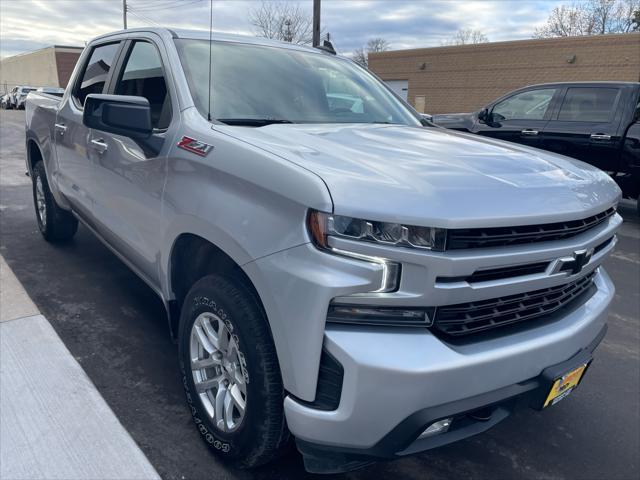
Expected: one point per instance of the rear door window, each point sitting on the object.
(584, 104)
(96, 71)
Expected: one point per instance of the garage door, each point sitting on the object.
(401, 87)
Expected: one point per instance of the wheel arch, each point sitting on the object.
(34, 154)
(193, 256)
(37, 151)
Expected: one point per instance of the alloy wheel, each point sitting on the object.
(41, 203)
(217, 371)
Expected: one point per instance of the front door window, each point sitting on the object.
(529, 105)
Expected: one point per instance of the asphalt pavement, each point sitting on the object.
(115, 327)
(77, 437)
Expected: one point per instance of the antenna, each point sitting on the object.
(210, 40)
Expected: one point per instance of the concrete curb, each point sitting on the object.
(54, 422)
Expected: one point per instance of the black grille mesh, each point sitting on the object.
(498, 273)
(473, 317)
(501, 236)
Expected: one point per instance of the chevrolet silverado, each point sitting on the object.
(332, 270)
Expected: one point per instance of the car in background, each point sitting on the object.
(55, 91)
(596, 122)
(18, 96)
(4, 101)
(9, 99)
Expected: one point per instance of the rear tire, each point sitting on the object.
(54, 223)
(224, 332)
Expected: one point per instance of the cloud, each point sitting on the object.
(29, 24)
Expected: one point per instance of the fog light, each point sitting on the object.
(441, 426)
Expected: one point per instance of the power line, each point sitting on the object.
(142, 17)
(164, 6)
(161, 3)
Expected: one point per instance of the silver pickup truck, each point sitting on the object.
(331, 269)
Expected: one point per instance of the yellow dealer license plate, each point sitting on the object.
(564, 385)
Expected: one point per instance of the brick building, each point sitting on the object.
(50, 67)
(464, 78)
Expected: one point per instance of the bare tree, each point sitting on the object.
(284, 21)
(627, 15)
(466, 36)
(361, 55)
(565, 21)
(590, 17)
(377, 45)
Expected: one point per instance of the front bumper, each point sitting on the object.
(397, 382)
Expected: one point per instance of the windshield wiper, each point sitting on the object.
(252, 122)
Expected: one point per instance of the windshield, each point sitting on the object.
(257, 85)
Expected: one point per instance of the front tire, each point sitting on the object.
(230, 372)
(54, 223)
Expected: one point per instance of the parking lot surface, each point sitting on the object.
(115, 327)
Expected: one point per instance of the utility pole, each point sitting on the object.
(124, 13)
(316, 23)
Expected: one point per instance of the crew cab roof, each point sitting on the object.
(204, 35)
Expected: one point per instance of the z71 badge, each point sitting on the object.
(195, 146)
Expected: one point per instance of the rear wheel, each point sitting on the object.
(54, 223)
(231, 373)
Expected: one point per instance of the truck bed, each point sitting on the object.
(41, 110)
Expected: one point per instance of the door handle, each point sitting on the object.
(529, 132)
(99, 145)
(60, 127)
(600, 136)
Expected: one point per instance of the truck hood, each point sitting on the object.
(436, 177)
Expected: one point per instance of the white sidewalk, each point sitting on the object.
(53, 422)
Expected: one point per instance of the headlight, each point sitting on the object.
(324, 225)
(317, 223)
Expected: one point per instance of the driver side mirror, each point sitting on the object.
(124, 115)
(426, 120)
(484, 115)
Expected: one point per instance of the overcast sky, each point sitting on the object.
(30, 24)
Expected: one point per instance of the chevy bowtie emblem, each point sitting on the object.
(574, 264)
(195, 146)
